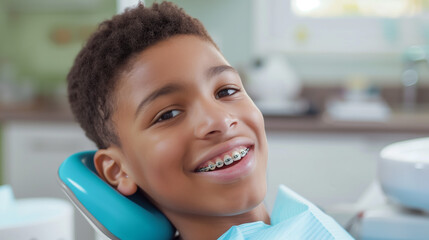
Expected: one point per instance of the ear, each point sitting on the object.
(109, 164)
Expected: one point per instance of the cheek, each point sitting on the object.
(254, 119)
(161, 161)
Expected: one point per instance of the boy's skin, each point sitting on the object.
(206, 113)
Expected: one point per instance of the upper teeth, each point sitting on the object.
(227, 160)
(219, 163)
(236, 156)
(243, 152)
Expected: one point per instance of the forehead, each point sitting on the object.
(177, 58)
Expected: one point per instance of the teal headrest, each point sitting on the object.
(117, 216)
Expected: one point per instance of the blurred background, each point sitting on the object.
(337, 80)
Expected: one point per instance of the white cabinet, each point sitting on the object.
(32, 153)
(327, 168)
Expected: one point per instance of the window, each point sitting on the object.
(367, 8)
(335, 26)
(333, 38)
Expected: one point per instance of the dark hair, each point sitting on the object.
(93, 76)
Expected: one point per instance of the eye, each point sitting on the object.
(226, 92)
(168, 115)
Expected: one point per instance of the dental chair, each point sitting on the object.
(111, 214)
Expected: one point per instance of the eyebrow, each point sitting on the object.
(216, 70)
(175, 87)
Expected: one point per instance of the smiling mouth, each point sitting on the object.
(228, 160)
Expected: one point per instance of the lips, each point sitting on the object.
(221, 152)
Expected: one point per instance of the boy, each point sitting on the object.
(170, 116)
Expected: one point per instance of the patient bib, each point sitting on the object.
(293, 217)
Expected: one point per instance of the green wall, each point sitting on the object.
(228, 22)
(3, 29)
(30, 45)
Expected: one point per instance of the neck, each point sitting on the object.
(204, 227)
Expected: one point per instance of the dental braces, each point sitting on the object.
(219, 163)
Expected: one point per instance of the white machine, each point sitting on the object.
(403, 175)
(34, 218)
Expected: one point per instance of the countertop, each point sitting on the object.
(400, 121)
(413, 122)
(36, 113)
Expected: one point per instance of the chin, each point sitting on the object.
(244, 201)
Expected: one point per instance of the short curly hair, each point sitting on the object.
(94, 74)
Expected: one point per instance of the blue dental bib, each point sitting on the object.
(293, 218)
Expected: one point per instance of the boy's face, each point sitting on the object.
(179, 106)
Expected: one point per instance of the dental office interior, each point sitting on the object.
(343, 86)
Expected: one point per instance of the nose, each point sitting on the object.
(212, 119)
